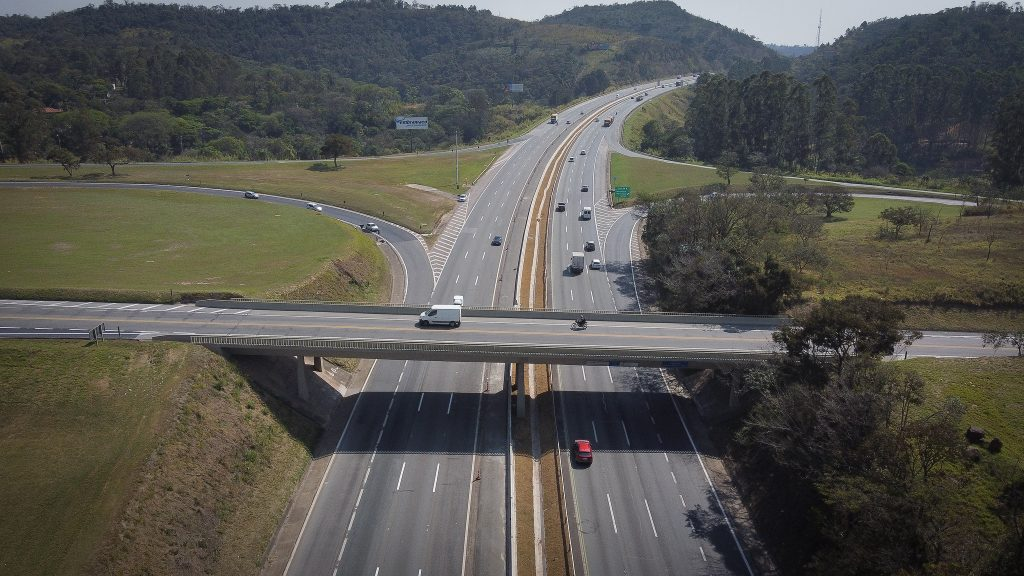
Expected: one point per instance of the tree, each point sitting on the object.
(65, 158)
(337, 145)
(899, 216)
(836, 330)
(113, 155)
(727, 166)
(1006, 162)
(831, 199)
(999, 339)
(880, 151)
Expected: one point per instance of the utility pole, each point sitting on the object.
(818, 41)
(456, 158)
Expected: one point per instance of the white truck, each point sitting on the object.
(577, 262)
(554, 119)
(586, 213)
(442, 314)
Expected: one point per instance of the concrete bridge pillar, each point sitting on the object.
(521, 389)
(318, 363)
(300, 378)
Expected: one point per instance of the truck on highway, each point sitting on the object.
(586, 213)
(442, 314)
(554, 119)
(577, 262)
(608, 121)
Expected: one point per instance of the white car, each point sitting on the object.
(251, 194)
(462, 198)
(595, 264)
(314, 206)
(370, 227)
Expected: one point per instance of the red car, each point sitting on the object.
(581, 452)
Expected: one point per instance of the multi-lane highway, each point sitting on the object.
(417, 483)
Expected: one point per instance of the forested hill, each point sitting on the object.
(195, 82)
(663, 26)
(930, 82)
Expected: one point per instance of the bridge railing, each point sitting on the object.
(501, 312)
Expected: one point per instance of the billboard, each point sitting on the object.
(513, 87)
(411, 122)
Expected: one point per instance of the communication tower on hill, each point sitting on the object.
(818, 41)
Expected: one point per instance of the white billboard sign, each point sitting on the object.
(411, 122)
(514, 87)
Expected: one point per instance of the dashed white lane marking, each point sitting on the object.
(436, 472)
(623, 422)
(612, 512)
(650, 517)
(594, 428)
(400, 475)
(683, 501)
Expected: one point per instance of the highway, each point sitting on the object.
(417, 483)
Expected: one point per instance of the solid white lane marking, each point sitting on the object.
(651, 518)
(400, 475)
(436, 472)
(450, 399)
(612, 512)
(420, 405)
(623, 422)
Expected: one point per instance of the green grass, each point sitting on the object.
(146, 244)
(375, 186)
(990, 387)
(949, 271)
(669, 107)
(126, 457)
(653, 180)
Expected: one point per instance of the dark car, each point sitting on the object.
(497, 240)
(581, 452)
(585, 188)
(589, 246)
(560, 207)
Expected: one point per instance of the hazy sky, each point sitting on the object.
(771, 21)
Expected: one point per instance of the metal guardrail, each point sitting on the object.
(501, 312)
(478, 352)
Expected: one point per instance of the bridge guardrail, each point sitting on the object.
(500, 312)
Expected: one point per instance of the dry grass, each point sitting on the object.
(123, 457)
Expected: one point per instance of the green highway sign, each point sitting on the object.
(622, 191)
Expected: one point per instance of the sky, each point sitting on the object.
(791, 22)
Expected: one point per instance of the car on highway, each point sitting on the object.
(560, 207)
(567, 122)
(571, 159)
(583, 152)
(251, 194)
(462, 198)
(585, 188)
(589, 246)
(581, 452)
(370, 227)
(315, 207)
(595, 264)
(497, 240)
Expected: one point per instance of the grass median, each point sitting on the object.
(374, 186)
(154, 246)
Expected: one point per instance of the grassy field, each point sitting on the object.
(144, 458)
(990, 387)
(665, 108)
(374, 186)
(949, 271)
(652, 180)
(143, 244)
